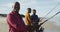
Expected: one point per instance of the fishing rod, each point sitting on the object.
(49, 18)
(51, 10)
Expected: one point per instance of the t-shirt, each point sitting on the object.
(27, 22)
(34, 17)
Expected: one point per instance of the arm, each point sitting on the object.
(29, 18)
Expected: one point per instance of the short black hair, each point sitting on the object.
(34, 10)
(28, 9)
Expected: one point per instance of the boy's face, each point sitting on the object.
(29, 10)
(34, 12)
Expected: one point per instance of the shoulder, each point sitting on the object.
(10, 15)
(36, 15)
(27, 14)
(31, 16)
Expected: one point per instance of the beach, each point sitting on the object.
(3, 24)
(48, 26)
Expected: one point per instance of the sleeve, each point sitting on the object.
(12, 21)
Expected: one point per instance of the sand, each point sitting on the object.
(3, 24)
(49, 26)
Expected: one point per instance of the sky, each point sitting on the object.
(42, 7)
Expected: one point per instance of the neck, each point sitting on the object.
(17, 12)
(34, 14)
(27, 12)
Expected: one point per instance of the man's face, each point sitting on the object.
(17, 6)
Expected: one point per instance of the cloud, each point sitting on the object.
(42, 5)
(37, 4)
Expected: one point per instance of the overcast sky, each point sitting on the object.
(42, 7)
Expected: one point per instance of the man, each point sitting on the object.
(14, 20)
(34, 19)
(27, 19)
